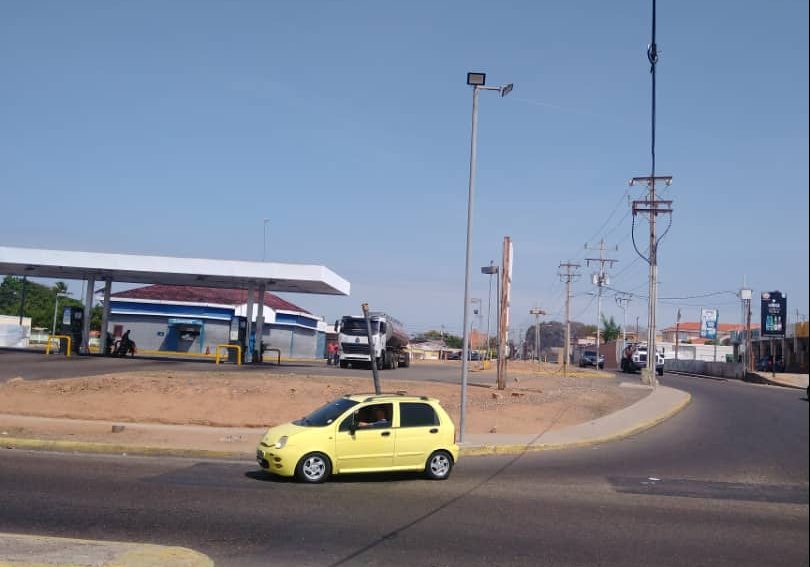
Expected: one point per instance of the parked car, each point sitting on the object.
(363, 433)
(588, 358)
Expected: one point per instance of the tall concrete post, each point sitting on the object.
(258, 350)
(249, 321)
(88, 310)
(105, 315)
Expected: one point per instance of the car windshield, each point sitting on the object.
(356, 326)
(590, 353)
(326, 414)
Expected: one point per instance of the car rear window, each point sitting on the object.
(417, 415)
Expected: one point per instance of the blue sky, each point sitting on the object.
(176, 127)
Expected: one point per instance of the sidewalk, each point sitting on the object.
(38, 551)
(788, 380)
(660, 405)
(85, 436)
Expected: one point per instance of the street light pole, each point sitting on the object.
(537, 312)
(492, 269)
(477, 81)
(55, 309)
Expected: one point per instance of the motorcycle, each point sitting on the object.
(124, 346)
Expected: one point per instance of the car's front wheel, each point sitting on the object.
(439, 465)
(313, 468)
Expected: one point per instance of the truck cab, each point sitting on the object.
(389, 342)
(634, 358)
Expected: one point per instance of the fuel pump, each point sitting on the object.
(72, 326)
(237, 336)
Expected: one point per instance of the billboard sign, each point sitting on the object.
(773, 313)
(708, 323)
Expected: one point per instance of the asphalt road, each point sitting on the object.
(33, 365)
(725, 482)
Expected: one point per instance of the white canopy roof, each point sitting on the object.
(131, 268)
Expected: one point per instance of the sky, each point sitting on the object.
(175, 128)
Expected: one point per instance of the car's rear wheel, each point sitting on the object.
(313, 468)
(439, 465)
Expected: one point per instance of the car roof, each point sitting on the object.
(388, 397)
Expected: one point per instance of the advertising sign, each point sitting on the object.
(773, 313)
(708, 323)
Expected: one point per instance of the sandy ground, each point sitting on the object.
(530, 404)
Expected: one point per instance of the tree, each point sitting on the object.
(552, 335)
(584, 330)
(40, 300)
(431, 335)
(610, 329)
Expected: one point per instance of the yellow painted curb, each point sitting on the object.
(518, 449)
(94, 553)
(109, 448)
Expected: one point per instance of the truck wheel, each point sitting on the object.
(406, 360)
(344, 364)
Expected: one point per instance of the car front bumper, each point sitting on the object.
(276, 461)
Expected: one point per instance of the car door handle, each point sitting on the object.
(434, 430)
(385, 433)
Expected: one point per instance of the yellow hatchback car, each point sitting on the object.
(363, 433)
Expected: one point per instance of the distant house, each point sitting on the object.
(196, 319)
(690, 331)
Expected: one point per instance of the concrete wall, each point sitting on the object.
(154, 333)
(293, 342)
(719, 369)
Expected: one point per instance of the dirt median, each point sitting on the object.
(530, 403)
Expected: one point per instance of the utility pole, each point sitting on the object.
(567, 277)
(536, 312)
(623, 301)
(374, 372)
(745, 296)
(677, 333)
(652, 206)
(600, 279)
(503, 315)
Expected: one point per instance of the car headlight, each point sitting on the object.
(281, 442)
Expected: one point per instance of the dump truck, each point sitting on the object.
(389, 341)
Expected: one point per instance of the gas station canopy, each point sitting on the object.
(131, 268)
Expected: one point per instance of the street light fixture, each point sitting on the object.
(477, 81)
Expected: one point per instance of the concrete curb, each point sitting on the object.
(40, 551)
(706, 376)
(514, 449)
(112, 449)
(468, 451)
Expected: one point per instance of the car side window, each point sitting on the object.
(346, 424)
(414, 414)
(375, 416)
